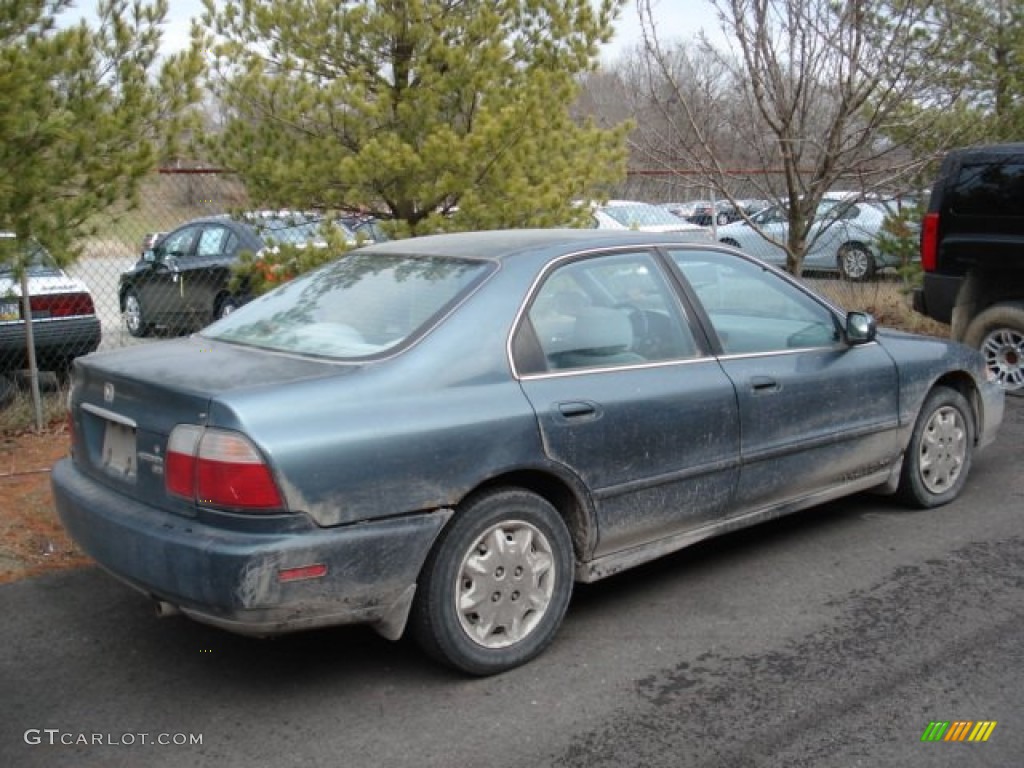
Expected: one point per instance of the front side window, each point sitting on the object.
(753, 310)
(178, 244)
(362, 305)
(605, 311)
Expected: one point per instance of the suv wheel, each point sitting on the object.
(999, 333)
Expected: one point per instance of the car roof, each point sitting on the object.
(1009, 148)
(502, 244)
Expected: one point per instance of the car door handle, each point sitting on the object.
(578, 409)
(764, 384)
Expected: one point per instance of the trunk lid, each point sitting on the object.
(126, 402)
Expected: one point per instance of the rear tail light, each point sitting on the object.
(61, 305)
(930, 242)
(218, 468)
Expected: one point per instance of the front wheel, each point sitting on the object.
(134, 317)
(856, 262)
(938, 458)
(496, 585)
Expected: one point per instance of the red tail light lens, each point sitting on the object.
(218, 468)
(61, 305)
(929, 242)
(180, 464)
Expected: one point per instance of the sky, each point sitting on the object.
(674, 19)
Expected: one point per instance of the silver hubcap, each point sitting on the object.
(943, 449)
(505, 584)
(1004, 354)
(855, 263)
(132, 313)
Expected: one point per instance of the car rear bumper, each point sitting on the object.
(57, 342)
(232, 579)
(937, 296)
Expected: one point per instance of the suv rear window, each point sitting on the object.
(989, 189)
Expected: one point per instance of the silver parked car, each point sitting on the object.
(843, 237)
(441, 435)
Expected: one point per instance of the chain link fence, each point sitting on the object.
(91, 305)
(79, 309)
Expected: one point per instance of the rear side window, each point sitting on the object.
(989, 189)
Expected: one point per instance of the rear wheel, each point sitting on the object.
(856, 262)
(225, 307)
(999, 333)
(938, 458)
(730, 242)
(496, 585)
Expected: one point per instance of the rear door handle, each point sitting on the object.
(764, 384)
(578, 409)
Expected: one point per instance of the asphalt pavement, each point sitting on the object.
(834, 637)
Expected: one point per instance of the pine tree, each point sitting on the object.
(435, 114)
(84, 112)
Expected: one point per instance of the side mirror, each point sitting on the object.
(860, 328)
(149, 256)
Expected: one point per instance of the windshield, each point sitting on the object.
(361, 305)
(640, 214)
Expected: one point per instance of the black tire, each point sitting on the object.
(938, 457)
(999, 333)
(468, 562)
(855, 262)
(225, 307)
(135, 316)
(8, 388)
(730, 242)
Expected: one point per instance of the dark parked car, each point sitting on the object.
(706, 213)
(447, 432)
(64, 322)
(150, 240)
(183, 281)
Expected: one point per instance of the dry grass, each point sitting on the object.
(20, 415)
(888, 300)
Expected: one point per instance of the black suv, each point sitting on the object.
(972, 253)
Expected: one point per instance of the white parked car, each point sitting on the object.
(642, 217)
(843, 238)
(64, 322)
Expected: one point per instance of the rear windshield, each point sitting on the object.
(989, 189)
(362, 305)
